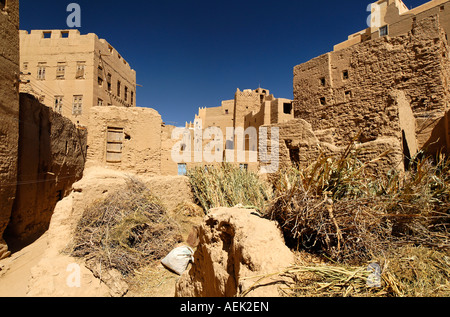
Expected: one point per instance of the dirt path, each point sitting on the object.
(15, 271)
(44, 269)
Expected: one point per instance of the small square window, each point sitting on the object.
(60, 70)
(65, 34)
(442, 8)
(108, 80)
(243, 167)
(384, 31)
(182, 169)
(46, 35)
(287, 108)
(323, 101)
(58, 104)
(345, 75)
(80, 70)
(41, 71)
(118, 88)
(323, 81)
(77, 106)
(348, 95)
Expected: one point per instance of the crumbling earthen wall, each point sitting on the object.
(125, 139)
(233, 253)
(9, 112)
(359, 89)
(393, 18)
(51, 158)
(300, 145)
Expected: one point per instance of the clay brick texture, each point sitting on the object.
(9, 112)
(391, 87)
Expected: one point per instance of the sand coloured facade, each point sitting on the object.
(71, 73)
(389, 90)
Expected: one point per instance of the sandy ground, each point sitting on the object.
(44, 269)
(16, 270)
(18, 274)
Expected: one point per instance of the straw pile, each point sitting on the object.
(337, 208)
(227, 186)
(406, 272)
(126, 231)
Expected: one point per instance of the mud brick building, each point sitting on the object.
(71, 73)
(386, 85)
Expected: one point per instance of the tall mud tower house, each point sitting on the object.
(72, 73)
(387, 84)
(9, 111)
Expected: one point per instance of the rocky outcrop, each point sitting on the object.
(233, 254)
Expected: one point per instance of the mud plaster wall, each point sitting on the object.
(416, 64)
(300, 145)
(9, 112)
(51, 158)
(140, 148)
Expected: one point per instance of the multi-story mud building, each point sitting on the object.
(71, 73)
(249, 108)
(387, 86)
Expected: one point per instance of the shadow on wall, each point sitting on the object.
(437, 142)
(51, 158)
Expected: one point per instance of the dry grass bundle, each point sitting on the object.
(189, 209)
(127, 230)
(337, 208)
(404, 272)
(330, 281)
(418, 203)
(228, 186)
(329, 207)
(416, 272)
(344, 230)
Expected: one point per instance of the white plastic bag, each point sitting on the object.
(178, 259)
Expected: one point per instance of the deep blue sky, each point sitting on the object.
(196, 53)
